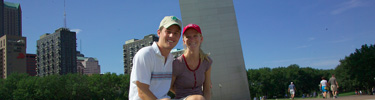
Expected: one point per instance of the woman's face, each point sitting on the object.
(192, 39)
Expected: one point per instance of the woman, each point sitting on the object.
(191, 78)
(322, 85)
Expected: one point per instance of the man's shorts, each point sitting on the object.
(333, 88)
(291, 91)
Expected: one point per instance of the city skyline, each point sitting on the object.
(313, 34)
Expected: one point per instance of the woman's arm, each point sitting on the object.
(320, 85)
(172, 84)
(207, 85)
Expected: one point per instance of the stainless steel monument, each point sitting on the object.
(221, 39)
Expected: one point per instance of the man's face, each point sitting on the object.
(169, 37)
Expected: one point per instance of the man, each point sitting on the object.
(292, 90)
(152, 65)
(334, 85)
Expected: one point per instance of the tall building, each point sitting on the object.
(87, 65)
(57, 53)
(31, 64)
(218, 22)
(1, 17)
(132, 46)
(13, 45)
(177, 52)
(80, 67)
(10, 19)
(12, 55)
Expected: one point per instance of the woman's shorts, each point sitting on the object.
(323, 89)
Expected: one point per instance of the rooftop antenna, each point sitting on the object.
(80, 47)
(64, 16)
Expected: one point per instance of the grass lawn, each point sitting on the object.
(340, 94)
(347, 93)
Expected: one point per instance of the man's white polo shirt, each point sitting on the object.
(149, 68)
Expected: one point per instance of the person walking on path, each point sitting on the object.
(292, 90)
(323, 85)
(334, 85)
(152, 65)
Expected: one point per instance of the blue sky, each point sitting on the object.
(274, 33)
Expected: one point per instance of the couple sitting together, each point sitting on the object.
(155, 71)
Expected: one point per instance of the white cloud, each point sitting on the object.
(319, 62)
(311, 39)
(326, 64)
(347, 6)
(76, 30)
(304, 46)
(293, 60)
(341, 40)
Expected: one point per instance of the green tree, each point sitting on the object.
(71, 86)
(9, 85)
(25, 88)
(274, 82)
(358, 68)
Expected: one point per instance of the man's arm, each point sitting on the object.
(144, 92)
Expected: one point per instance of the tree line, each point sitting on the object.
(67, 87)
(355, 72)
(274, 82)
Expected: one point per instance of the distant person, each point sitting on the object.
(373, 91)
(152, 65)
(314, 94)
(323, 85)
(334, 85)
(191, 78)
(356, 92)
(292, 90)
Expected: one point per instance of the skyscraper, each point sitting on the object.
(57, 53)
(12, 44)
(1, 17)
(10, 19)
(132, 46)
(217, 20)
(12, 55)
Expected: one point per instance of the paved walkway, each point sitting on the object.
(352, 97)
